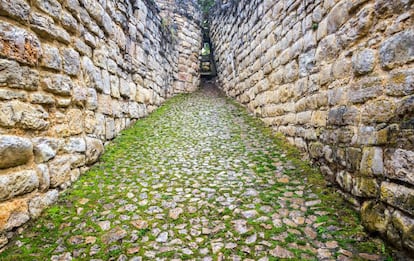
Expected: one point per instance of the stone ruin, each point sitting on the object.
(336, 77)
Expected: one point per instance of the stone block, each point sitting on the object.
(343, 115)
(42, 98)
(399, 165)
(69, 22)
(39, 203)
(365, 89)
(16, 9)
(365, 187)
(327, 50)
(337, 16)
(398, 196)
(26, 116)
(400, 83)
(20, 77)
(12, 94)
(19, 44)
(51, 7)
(372, 162)
(105, 104)
(71, 61)
(353, 158)
(59, 170)
(13, 213)
(109, 128)
(345, 180)
(94, 149)
(44, 177)
(307, 63)
(75, 145)
(315, 150)
(402, 231)
(379, 111)
(397, 50)
(91, 74)
(17, 183)
(14, 151)
(91, 99)
(363, 61)
(375, 216)
(45, 148)
(75, 121)
(57, 84)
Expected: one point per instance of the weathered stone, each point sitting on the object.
(402, 223)
(378, 111)
(337, 16)
(400, 165)
(12, 94)
(18, 44)
(75, 121)
(398, 196)
(17, 183)
(14, 151)
(375, 216)
(58, 84)
(91, 74)
(114, 235)
(109, 128)
(353, 158)
(372, 161)
(37, 204)
(397, 50)
(16, 9)
(365, 187)
(45, 149)
(44, 177)
(327, 49)
(94, 149)
(363, 61)
(75, 145)
(71, 61)
(51, 7)
(41, 98)
(281, 252)
(59, 170)
(400, 83)
(15, 76)
(343, 115)
(345, 180)
(92, 99)
(69, 23)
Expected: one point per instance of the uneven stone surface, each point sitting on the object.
(336, 78)
(197, 179)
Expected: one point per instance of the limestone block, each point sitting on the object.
(91, 74)
(337, 16)
(14, 151)
(13, 214)
(400, 83)
(17, 183)
(345, 180)
(375, 216)
(51, 7)
(57, 83)
(51, 58)
(75, 145)
(59, 170)
(90, 122)
(304, 117)
(79, 96)
(341, 68)
(69, 22)
(45, 148)
(75, 121)
(365, 187)
(306, 63)
(372, 161)
(19, 44)
(92, 99)
(327, 49)
(319, 118)
(365, 89)
(12, 94)
(353, 158)
(385, 8)
(399, 165)
(402, 231)
(397, 50)
(114, 82)
(94, 9)
(398, 196)
(42, 98)
(363, 61)
(44, 177)
(94, 149)
(26, 116)
(15, 76)
(343, 115)
(109, 128)
(105, 104)
(315, 150)
(71, 61)
(378, 111)
(38, 203)
(16, 9)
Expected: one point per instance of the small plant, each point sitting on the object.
(315, 26)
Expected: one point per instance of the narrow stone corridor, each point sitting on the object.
(198, 179)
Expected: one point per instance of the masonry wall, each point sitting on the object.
(73, 74)
(337, 78)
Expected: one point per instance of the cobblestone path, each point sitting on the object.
(198, 179)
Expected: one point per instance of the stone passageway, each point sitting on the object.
(198, 179)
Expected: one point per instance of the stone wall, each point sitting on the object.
(73, 74)
(337, 78)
